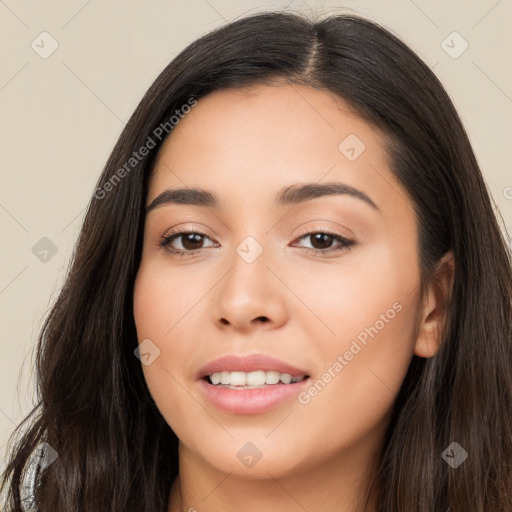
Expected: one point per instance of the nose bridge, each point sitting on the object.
(248, 291)
(249, 250)
(249, 274)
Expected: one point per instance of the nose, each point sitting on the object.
(250, 296)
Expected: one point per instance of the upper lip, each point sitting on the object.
(249, 363)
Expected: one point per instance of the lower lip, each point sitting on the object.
(250, 401)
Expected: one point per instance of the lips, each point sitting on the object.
(249, 363)
(251, 399)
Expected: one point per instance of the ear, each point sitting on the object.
(433, 315)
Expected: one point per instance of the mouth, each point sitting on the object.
(250, 384)
(252, 380)
(253, 397)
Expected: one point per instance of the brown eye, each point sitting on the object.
(191, 241)
(321, 240)
(184, 242)
(324, 242)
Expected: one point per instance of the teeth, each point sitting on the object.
(286, 378)
(272, 377)
(255, 379)
(252, 379)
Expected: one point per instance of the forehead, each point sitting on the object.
(246, 144)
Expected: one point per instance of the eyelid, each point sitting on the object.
(306, 229)
(312, 227)
(193, 228)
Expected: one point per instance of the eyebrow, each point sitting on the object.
(292, 194)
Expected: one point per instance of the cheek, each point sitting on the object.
(359, 292)
(353, 393)
(165, 299)
(372, 311)
(161, 312)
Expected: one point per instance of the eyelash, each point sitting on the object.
(344, 243)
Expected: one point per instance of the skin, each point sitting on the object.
(244, 146)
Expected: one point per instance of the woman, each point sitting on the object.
(290, 292)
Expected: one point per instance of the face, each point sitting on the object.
(324, 281)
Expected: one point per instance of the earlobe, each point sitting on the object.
(434, 314)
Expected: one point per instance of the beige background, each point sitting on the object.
(60, 117)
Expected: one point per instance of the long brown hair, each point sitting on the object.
(116, 452)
